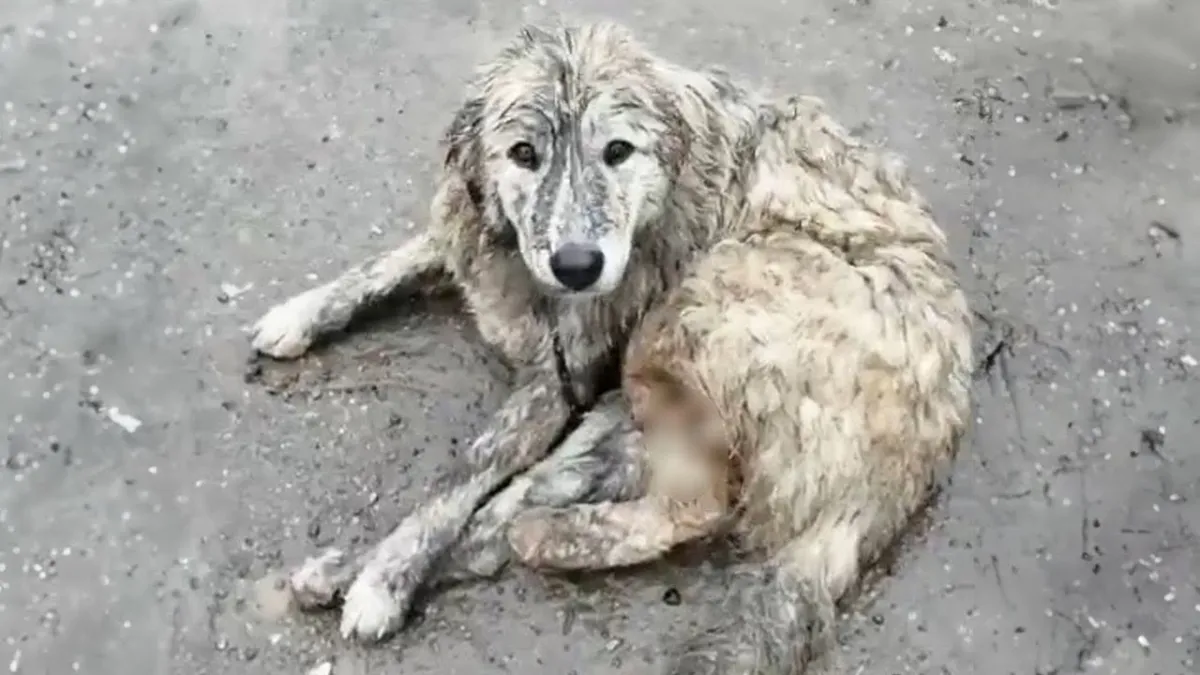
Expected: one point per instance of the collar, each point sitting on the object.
(564, 373)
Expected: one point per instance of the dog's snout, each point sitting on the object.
(577, 266)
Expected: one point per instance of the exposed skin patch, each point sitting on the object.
(795, 343)
(690, 473)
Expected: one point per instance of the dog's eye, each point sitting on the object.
(523, 155)
(616, 152)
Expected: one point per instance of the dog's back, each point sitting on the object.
(829, 382)
(834, 347)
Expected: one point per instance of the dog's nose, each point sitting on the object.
(577, 266)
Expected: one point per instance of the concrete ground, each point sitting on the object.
(169, 169)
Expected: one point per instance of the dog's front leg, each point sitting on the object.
(601, 460)
(519, 435)
(288, 329)
(687, 498)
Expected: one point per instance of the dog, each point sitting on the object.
(796, 347)
(799, 396)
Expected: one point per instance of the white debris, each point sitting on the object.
(944, 55)
(322, 669)
(231, 291)
(1188, 360)
(14, 165)
(127, 422)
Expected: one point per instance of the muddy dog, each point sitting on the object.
(797, 395)
(800, 362)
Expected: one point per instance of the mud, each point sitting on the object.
(170, 169)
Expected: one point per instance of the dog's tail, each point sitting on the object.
(780, 614)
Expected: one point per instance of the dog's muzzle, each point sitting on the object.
(577, 266)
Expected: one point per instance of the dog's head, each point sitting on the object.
(569, 144)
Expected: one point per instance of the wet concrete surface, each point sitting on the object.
(170, 169)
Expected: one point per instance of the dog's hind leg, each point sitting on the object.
(602, 460)
(781, 620)
(322, 580)
(687, 499)
(289, 328)
(519, 435)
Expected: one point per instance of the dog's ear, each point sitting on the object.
(463, 154)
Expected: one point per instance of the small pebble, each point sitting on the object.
(230, 291)
(671, 597)
(127, 422)
(1160, 230)
(1070, 100)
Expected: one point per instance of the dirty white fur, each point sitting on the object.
(820, 320)
(288, 329)
(826, 385)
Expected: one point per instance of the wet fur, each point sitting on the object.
(775, 275)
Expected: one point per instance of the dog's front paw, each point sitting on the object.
(287, 330)
(371, 610)
(317, 582)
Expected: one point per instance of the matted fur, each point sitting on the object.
(800, 356)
